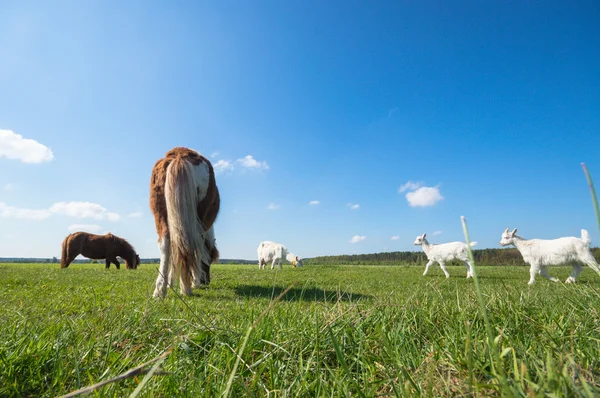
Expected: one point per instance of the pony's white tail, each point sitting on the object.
(472, 244)
(585, 237)
(186, 233)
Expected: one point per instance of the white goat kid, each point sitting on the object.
(540, 253)
(443, 252)
(273, 252)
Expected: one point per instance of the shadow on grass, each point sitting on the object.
(299, 294)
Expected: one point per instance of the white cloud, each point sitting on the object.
(251, 163)
(84, 210)
(135, 214)
(84, 227)
(24, 214)
(273, 206)
(9, 186)
(314, 202)
(353, 206)
(424, 196)
(71, 209)
(410, 185)
(222, 165)
(215, 154)
(436, 233)
(357, 238)
(14, 146)
(395, 237)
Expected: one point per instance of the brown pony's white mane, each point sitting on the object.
(184, 200)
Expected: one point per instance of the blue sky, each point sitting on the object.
(486, 108)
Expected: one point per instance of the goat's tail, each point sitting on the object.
(473, 243)
(186, 233)
(585, 237)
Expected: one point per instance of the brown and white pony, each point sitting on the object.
(185, 201)
(98, 247)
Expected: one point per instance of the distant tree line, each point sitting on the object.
(490, 257)
(54, 260)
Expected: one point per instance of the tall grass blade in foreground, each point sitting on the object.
(593, 192)
(495, 360)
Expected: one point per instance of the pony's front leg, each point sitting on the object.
(117, 263)
(163, 270)
(107, 264)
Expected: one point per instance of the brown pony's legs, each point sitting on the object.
(114, 261)
(67, 262)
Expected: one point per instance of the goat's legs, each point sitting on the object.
(533, 270)
(443, 267)
(589, 259)
(469, 266)
(576, 270)
(544, 272)
(427, 267)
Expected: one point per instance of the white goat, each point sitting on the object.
(540, 253)
(273, 252)
(445, 252)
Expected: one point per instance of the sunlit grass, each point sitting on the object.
(354, 330)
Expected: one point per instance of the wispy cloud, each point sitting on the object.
(357, 238)
(222, 166)
(84, 227)
(410, 185)
(436, 233)
(135, 214)
(395, 237)
(9, 186)
(250, 163)
(84, 210)
(391, 112)
(421, 196)
(215, 154)
(246, 163)
(314, 202)
(14, 146)
(24, 214)
(273, 206)
(354, 206)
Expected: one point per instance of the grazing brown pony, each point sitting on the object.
(98, 247)
(185, 201)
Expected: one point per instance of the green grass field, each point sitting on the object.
(339, 331)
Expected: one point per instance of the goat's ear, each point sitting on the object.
(506, 230)
(424, 236)
(513, 232)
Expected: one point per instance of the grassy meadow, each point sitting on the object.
(339, 331)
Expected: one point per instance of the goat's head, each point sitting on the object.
(419, 240)
(507, 237)
(298, 261)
